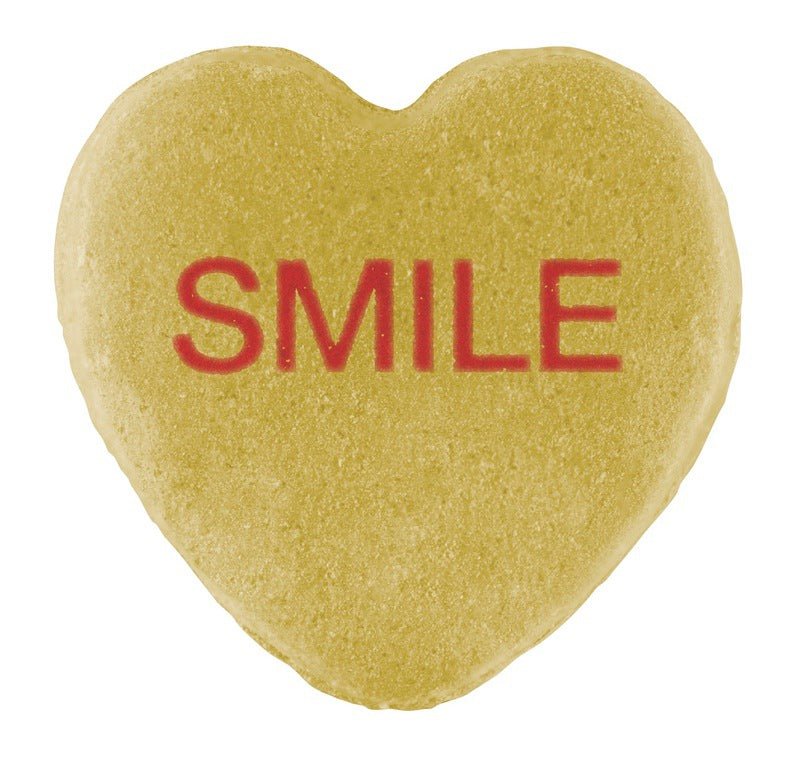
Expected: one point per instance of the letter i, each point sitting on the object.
(423, 315)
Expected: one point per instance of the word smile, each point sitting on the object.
(294, 283)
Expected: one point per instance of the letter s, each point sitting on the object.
(195, 304)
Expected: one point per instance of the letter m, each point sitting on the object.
(294, 279)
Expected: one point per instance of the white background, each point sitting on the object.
(112, 649)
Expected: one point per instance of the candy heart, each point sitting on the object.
(394, 450)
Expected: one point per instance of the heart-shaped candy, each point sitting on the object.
(402, 387)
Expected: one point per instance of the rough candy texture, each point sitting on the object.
(399, 537)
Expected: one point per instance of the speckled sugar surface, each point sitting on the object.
(399, 537)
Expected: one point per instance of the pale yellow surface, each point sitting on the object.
(400, 537)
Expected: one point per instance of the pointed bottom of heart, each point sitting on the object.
(426, 696)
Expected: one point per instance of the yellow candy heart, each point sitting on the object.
(402, 387)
